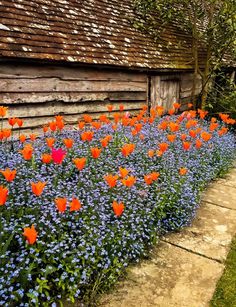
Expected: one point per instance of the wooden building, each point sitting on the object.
(74, 57)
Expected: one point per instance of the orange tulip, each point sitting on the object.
(193, 133)
(190, 105)
(95, 151)
(87, 136)
(213, 126)
(50, 142)
(27, 152)
(171, 112)
(149, 178)
(118, 208)
(104, 142)
(81, 125)
(60, 125)
(176, 105)
(103, 118)
(96, 125)
(163, 125)
(33, 136)
(3, 111)
(3, 195)
(151, 120)
(45, 129)
(37, 187)
(224, 117)
(121, 107)
(222, 131)
(202, 113)
(53, 126)
(206, 136)
(75, 205)
(19, 122)
(125, 121)
(68, 143)
(8, 174)
(116, 117)
(123, 172)
(183, 171)
(127, 149)
(111, 180)
(114, 127)
(230, 121)
(134, 132)
(160, 110)
(183, 136)
(163, 147)
(191, 123)
(22, 138)
(151, 153)
(153, 113)
(12, 121)
(46, 158)
(109, 107)
(129, 181)
(80, 163)
(58, 118)
(61, 204)
(171, 137)
(6, 133)
(186, 145)
(174, 127)
(198, 143)
(87, 118)
(31, 234)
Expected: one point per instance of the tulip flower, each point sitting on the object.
(61, 204)
(3, 195)
(3, 111)
(37, 187)
(58, 155)
(8, 174)
(75, 205)
(80, 163)
(118, 208)
(31, 234)
(95, 151)
(111, 180)
(46, 158)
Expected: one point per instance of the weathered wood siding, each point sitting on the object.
(167, 89)
(37, 93)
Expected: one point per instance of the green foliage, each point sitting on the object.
(211, 25)
(222, 97)
(224, 295)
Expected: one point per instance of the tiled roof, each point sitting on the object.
(91, 32)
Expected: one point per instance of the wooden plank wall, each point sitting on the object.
(185, 80)
(37, 93)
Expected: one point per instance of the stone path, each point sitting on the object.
(184, 267)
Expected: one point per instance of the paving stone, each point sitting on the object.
(172, 278)
(210, 234)
(221, 195)
(229, 179)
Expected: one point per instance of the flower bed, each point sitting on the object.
(78, 205)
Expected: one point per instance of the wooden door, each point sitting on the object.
(169, 93)
(164, 92)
